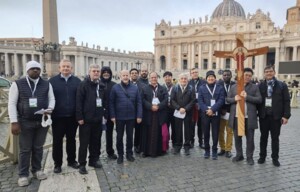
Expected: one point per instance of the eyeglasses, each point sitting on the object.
(95, 71)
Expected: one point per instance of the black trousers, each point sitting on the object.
(213, 124)
(268, 124)
(137, 134)
(171, 121)
(199, 131)
(89, 137)
(239, 142)
(121, 125)
(61, 127)
(109, 137)
(179, 132)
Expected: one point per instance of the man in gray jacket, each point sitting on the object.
(252, 97)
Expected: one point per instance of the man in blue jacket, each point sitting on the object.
(211, 99)
(63, 116)
(125, 108)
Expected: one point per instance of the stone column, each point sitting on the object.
(24, 64)
(210, 55)
(7, 67)
(179, 62)
(16, 65)
(168, 57)
(156, 61)
(277, 59)
(192, 64)
(222, 60)
(295, 53)
(200, 55)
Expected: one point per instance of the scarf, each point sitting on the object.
(270, 84)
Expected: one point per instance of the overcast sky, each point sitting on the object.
(120, 24)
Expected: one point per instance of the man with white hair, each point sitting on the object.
(26, 96)
(182, 100)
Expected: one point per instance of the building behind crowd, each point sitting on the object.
(184, 46)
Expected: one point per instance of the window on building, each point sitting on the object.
(102, 63)
(163, 62)
(205, 63)
(227, 63)
(197, 65)
(109, 64)
(253, 62)
(257, 26)
(162, 33)
(121, 65)
(116, 66)
(185, 64)
(214, 65)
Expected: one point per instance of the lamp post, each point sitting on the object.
(138, 63)
(44, 48)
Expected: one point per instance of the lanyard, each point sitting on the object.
(227, 90)
(211, 93)
(154, 92)
(35, 84)
(196, 86)
(97, 91)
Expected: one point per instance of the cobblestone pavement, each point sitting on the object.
(193, 173)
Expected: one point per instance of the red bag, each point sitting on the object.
(165, 137)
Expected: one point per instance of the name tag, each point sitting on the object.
(196, 95)
(32, 102)
(212, 102)
(99, 102)
(268, 102)
(155, 101)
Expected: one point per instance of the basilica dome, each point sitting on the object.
(229, 8)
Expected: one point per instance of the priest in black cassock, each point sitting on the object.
(155, 103)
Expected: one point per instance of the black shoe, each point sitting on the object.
(187, 151)
(82, 170)
(250, 161)
(96, 164)
(143, 155)
(176, 151)
(192, 145)
(120, 160)
(276, 163)
(214, 156)
(137, 149)
(228, 154)
(261, 160)
(130, 158)
(112, 157)
(57, 169)
(74, 165)
(201, 146)
(221, 153)
(236, 158)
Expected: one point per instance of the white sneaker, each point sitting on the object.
(40, 175)
(23, 181)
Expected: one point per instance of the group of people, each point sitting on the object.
(150, 113)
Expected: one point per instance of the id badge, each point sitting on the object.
(196, 95)
(99, 102)
(212, 102)
(155, 101)
(268, 102)
(32, 102)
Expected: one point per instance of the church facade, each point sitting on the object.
(185, 46)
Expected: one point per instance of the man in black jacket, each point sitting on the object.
(182, 100)
(273, 112)
(106, 76)
(90, 103)
(63, 116)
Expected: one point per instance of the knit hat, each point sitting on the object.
(208, 73)
(33, 64)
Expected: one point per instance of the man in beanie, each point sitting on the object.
(63, 116)
(211, 99)
(106, 76)
(26, 96)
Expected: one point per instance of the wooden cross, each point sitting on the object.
(240, 54)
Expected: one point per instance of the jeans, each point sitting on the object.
(31, 142)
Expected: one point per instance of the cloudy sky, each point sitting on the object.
(120, 24)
